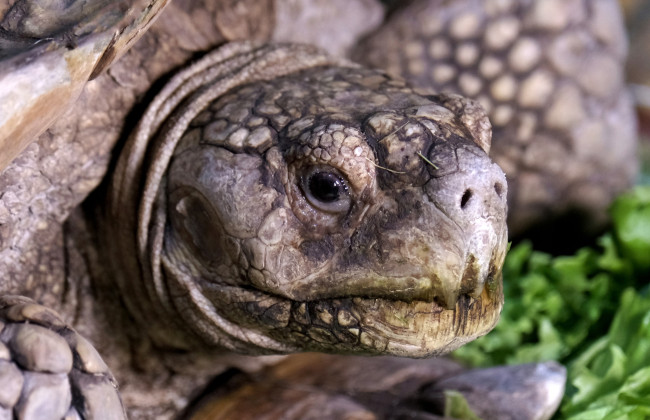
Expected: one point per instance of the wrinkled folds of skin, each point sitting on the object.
(215, 241)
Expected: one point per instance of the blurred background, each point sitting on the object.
(637, 15)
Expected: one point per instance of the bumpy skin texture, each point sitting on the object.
(325, 318)
(47, 370)
(60, 168)
(220, 237)
(550, 75)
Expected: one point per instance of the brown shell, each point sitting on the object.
(49, 50)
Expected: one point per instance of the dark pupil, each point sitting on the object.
(325, 186)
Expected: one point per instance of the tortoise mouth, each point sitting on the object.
(381, 326)
(442, 284)
(371, 326)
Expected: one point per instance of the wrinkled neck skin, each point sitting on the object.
(322, 207)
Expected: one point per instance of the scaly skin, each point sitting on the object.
(47, 370)
(226, 247)
(355, 314)
(550, 73)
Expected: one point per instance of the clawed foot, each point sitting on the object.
(47, 370)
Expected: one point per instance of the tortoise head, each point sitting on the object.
(326, 208)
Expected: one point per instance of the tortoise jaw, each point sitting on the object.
(451, 308)
(444, 287)
(273, 324)
(442, 276)
(382, 326)
(421, 326)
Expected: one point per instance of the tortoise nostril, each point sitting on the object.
(498, 188)
(465, 198)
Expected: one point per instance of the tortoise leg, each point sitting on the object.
(49, 371)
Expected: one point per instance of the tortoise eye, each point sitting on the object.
(326, 187)
(326, 190)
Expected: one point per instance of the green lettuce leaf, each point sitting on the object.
(456, 407)
(611, 378)
(631, 218)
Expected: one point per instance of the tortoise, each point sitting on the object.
(269, 197)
